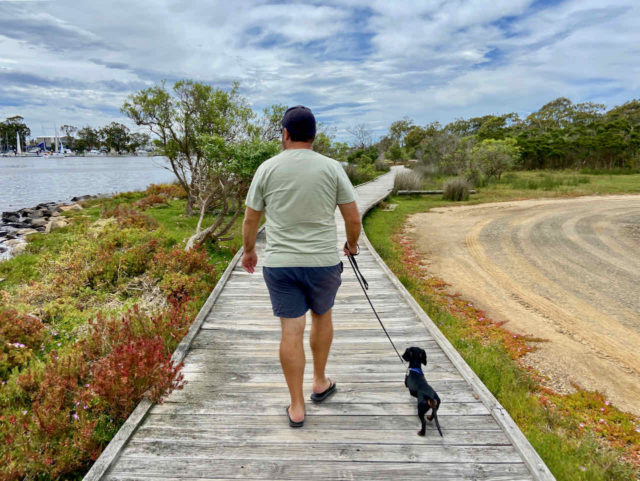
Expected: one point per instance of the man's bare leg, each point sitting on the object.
(292, 361)
(320, 341)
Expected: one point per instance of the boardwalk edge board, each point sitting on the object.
(116, 445)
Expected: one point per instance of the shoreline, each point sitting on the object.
(17, 225)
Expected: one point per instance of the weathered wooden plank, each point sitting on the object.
(221, 384)
(269, 407)
(365, 369)
(374, 423)
(130, 469)
(284, 434)
(201, 393)
(394, 453)
(353, 377)
(341, 357)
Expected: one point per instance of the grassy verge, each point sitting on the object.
(85, 303)
(580, 436)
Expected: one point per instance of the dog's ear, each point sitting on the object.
(408, 354)
(423, 357)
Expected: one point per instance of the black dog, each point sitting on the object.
(419, 387)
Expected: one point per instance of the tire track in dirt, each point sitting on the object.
(565, 270)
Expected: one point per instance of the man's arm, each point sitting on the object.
(352, 224)
(249, 233)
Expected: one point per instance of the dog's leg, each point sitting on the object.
(423, 407)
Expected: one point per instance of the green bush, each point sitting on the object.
(359, 174)
(456, 189)
(381, 166)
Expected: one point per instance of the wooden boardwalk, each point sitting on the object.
(229, 420)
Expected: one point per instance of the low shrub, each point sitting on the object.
(183, 273)
(359, 174)
(21, 335)
(381, 165)
(56, 416)
(408, 180)
(456, 189)
(169, 190)
(127, 216)
(152, 200)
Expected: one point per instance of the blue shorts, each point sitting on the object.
(295, 290)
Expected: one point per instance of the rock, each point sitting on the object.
(24, 232)
(19, 248)
(38, 222)
(10, 216)
(65, 208)
(55, 224)
(26, 211)
(18, 225)
(11, 235)
(14, 242)
(83, 197)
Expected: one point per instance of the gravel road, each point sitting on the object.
(565, 270)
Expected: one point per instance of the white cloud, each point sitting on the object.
(353, 61)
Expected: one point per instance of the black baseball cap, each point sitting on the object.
(300, 123)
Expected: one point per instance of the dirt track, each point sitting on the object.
(565, 270)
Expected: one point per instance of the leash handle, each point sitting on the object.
(356, 270)
(365, 286)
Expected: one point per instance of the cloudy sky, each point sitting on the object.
(351, 61)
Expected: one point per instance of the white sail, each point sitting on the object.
(18, 146)
(55, 133)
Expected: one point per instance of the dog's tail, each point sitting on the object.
(435, 418)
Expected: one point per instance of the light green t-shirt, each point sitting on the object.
(299, 189)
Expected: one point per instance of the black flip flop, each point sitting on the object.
(294, 424)
(319, 397)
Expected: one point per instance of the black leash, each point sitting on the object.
(365, 285)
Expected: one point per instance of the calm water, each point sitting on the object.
(27, 181)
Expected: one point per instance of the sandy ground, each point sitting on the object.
(567, 270)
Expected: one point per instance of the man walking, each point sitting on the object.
(298, 190)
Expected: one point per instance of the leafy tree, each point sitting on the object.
(114, 136)
(87, 139)
(395, 152)
(269, 125)
(12, 126)
(137, 140)
(399, 129)
(223, 181)
(184, 114)
(68, 139)
(496, 156)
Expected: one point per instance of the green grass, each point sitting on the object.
(554, 426)
(528, 184)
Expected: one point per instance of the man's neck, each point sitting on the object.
(298, 145)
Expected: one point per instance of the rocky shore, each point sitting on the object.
(15, 226)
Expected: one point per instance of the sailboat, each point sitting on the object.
(18, 146)
(57, 151)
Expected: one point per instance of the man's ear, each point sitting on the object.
(407, 354)
(423, 357)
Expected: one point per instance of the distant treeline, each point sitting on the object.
(114, 137)
(559, 135)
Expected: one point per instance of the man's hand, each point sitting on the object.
(249, 232)
(350, 249)
(249, 261)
